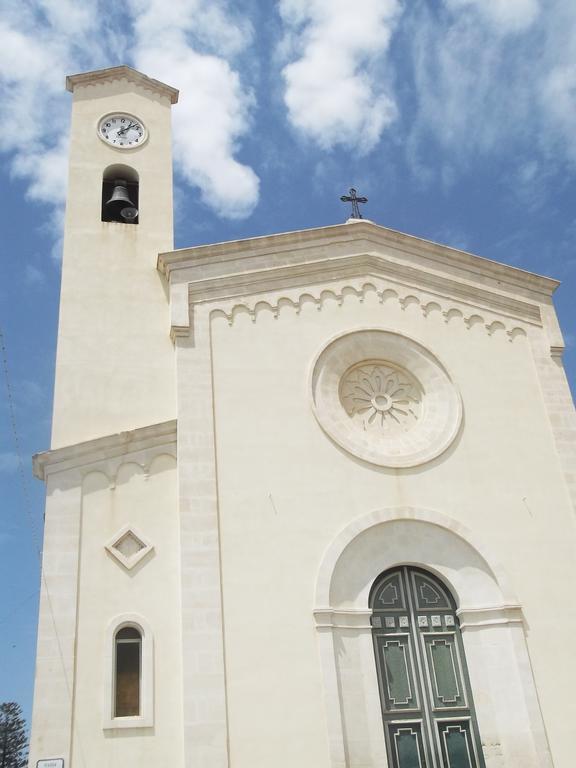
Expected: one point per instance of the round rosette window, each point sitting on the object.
(385, 398)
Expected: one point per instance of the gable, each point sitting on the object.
(356, 256)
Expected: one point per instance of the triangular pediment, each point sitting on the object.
(357, 250)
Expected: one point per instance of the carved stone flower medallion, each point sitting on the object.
(385, 398)
(382, 397)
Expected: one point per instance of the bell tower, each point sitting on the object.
(115, 363)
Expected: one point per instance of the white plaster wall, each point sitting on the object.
(204, 699)
(54, 675)
(115, 362)
(285, 491)
(106, 590)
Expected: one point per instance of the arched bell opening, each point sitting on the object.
(120, 194)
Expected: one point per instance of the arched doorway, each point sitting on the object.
(426, 700)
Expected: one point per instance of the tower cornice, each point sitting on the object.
(122, 72)
(101, 449)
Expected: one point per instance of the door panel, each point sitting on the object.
(427, 708)
(396, 671)
(457, 744)
(444, 671)
(407, 745)
(428, 594)
(390, 593)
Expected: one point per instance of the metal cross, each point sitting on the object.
(354, 199)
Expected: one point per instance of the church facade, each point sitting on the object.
(310, 496)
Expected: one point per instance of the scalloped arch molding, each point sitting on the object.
(318, 298)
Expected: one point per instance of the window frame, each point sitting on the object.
(146, 717)
(133, 643)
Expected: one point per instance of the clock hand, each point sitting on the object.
(126, 128)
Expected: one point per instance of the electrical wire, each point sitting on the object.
(32, 522)
(18, 450)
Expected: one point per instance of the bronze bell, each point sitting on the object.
(120, 204)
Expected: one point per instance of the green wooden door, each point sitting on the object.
(427, 706)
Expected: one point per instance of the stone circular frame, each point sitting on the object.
(416, 437)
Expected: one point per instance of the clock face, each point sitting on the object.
(122, 130)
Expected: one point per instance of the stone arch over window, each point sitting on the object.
(490, 618)
(129, 674)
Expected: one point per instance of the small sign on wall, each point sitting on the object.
(55, 762)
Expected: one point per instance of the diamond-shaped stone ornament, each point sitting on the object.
(128, 546)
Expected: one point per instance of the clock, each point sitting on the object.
(122, 131)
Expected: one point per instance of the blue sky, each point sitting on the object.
(456, 118)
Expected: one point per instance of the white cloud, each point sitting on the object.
(45, 171)
(529, 182)
(336, 89)
(505, 15)
(494, 78)
(211, 22)
(35, 52)
(489, 74)
(214, 108)
(456, 66)
(559, 89)
(43, 40)
(557, 81)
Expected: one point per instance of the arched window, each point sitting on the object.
(427, 706)
(127, 672)
(120, 194)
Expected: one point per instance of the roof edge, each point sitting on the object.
(102, 448)
(123, 72)
(446, 255)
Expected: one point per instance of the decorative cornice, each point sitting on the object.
(103, 448)
(489, 616)
(557, 352)
(469, 618)
(122, 72)
(362, 236)
(369, 265)
(342, 618)
(255, 268)
(427, 305)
